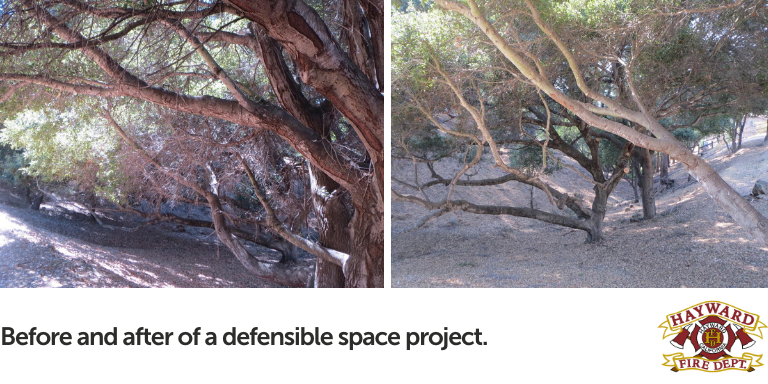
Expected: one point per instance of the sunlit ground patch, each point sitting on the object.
(4, 240)
(14, 229)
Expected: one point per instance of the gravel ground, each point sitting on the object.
(692, 243)
(54, 249)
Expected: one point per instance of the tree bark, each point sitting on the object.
(365, 267)
(333, 227)
(664, 166)
(599, 207)
(646, 184)
(330, 212)
(356, 33)
(741, 130)
(374, 12)
(741, 211)
(292, 276)
(326, 68)
(636, 178)
(603, 191)
(286, 249)
(765, 140)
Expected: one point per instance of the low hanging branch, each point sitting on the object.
(593, 114)
(294, 276)
(463, 205)
(336, 257)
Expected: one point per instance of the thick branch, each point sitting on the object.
(574, 204)
(336, 257)
(466, 206)
(318, 151)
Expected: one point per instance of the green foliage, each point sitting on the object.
(687, 136)
(412, 5)
(417, 37)
(599, 14)
(675, 49)
(11, 164)
(431, 146)
(61, 146)
(529, 159)
(609, 153)
(684, 66)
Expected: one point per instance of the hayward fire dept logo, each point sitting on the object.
(713, 328)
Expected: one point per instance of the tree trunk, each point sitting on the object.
(664, 166)
(365, 267)
(765, 140)
(374, 11)
(292, 276)
(636, 178)
(333, 226)
(646, 184)
(27, 195)
(36, 202)
(741, 130)
(603, 190)
(258, 237)
(331, 213)
(740, 210)
(599, 206)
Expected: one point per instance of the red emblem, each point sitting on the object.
(713, 327)
(712, 337)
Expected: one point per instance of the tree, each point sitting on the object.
(502, 106)
(543, 127)
(210, 59)
(617, 116)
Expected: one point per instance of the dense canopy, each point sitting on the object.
(611, 85)
(268, 112)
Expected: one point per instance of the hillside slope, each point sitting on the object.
(692, 243)
(54, 249)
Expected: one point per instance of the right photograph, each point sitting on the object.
(579, 143)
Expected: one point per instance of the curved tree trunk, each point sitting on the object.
(603, 191)
(599, 207)
(292, 276)
(259, 237)
(332, 216)
(741, 211)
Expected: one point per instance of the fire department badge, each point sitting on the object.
(714, 329)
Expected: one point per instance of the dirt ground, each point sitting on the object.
(55, 248)
(691, 243)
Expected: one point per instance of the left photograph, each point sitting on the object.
(192, 143)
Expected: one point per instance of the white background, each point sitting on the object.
(533, 335)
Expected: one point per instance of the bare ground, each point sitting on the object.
(55, 248)
(692, 243)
